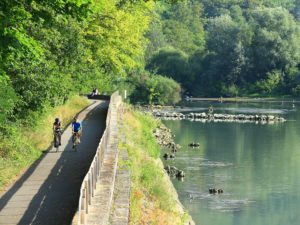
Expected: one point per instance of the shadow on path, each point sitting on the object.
(55, 201)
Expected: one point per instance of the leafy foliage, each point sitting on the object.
(8, 99)
(153, 89)
(244, 47)
(172, 63)
(51, 50)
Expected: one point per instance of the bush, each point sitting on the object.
(154, 89)
(8, 99)
(268, 85)
(296, 90)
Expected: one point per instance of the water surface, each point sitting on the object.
(257, 166)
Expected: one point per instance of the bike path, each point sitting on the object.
(48, 192)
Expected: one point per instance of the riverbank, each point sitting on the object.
(25, 144)
(153, 198)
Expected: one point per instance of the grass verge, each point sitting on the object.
(153, 197)
(24, 145)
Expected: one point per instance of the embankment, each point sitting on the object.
(153, 197)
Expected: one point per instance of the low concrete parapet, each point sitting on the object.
(99, 97)
(101, 175)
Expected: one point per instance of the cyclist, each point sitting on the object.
(76, 128)
(57, 129)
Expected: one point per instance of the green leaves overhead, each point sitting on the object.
(116, 35)
(51, 49)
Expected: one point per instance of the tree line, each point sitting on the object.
(228, 48)
(53, 49)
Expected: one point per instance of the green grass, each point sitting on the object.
(153, 200)
(25, 144)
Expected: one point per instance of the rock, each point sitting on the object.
(168, 169)
(203, 117)
(180, 173)
(174, 168)
(212, 190)
(194, 145)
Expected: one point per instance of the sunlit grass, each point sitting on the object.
(153, 200)
(25, 144)
(42, 135)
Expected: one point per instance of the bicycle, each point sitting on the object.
(75, 140)
(56, 139)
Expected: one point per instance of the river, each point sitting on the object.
(257, 166)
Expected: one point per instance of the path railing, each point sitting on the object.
(88, 185)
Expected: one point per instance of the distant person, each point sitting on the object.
(221, 99)
(94, 92)
(210, 110)
(57, 129)
(77, 128)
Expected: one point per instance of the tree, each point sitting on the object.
(155, 36)
(51, 49)
(163, 90)
(223, 65)
(110, 34)
(268, 85)
(152, 88)
(183, 26)
(276, 41)
(8, 100)
(172, 63)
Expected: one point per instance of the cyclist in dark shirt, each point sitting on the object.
(57, 129)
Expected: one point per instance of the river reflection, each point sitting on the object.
(257, 166)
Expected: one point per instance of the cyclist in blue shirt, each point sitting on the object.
(77, 128)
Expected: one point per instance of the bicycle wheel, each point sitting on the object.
(75, 141)
(56, 141)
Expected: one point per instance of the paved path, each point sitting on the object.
(47, 194)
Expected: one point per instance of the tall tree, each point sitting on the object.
(276, 41)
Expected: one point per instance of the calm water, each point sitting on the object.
(257, 166)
